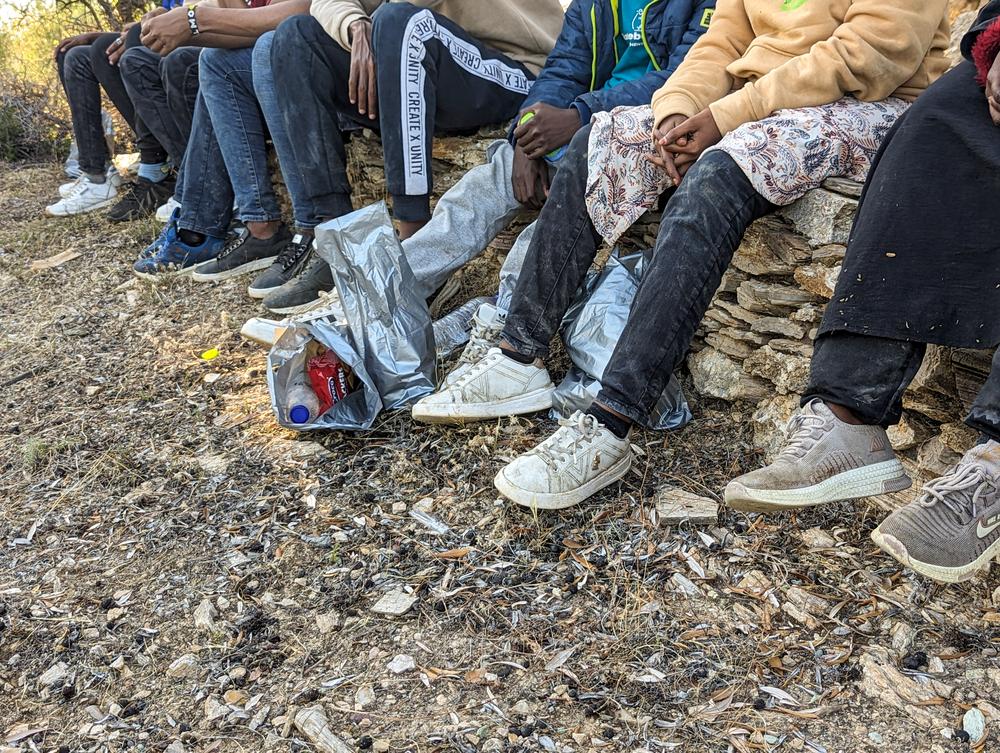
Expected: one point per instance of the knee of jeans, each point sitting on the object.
(291, 39)
(174, 66)
(389, 20)
(261, 57)
(78, 59)
(211, 63)
(137, 59)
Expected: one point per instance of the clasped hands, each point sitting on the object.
(678, 141)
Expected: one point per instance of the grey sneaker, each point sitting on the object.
(288, 264)
(303, 291)
(823, 460)
(487, 324)
(243, 253)
(952, 530)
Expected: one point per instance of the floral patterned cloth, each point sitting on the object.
(784, 155)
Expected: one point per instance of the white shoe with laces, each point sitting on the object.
(67, 188)
(578, 460)
(487, 324)
(493, 387)
(85, 196)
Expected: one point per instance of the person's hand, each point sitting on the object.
(550, 128)
(159, 10)
(529, 179)
(687, 140)
(361, 85)
(993, 91)
(70, 42)
(117, 48)
(166, 32)
(660, 157)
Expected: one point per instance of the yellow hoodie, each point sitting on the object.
(759, 56)
(526, 30)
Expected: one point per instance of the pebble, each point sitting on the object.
(398, 508)
(184, 667)
(57, 673)
(381, 746)
(204, 616)
(365, 696)
(427, 505)
(327, 623)
(521, 707)
(401, 663)
(975, 724)
(395, 603)
(876, 738)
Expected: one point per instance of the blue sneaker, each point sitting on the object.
(172, 256)
(167, 235)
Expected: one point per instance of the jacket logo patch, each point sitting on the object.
(792, 4)
(706, 17)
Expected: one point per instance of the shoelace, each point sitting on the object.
(481, 339)
(235, 241)
(78, 188)
(292, 253)
(478, 368)
(803, 431)
(963, 490)
(574, 432)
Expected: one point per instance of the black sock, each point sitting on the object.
(515, 356)
(191, 238)
(615, 424)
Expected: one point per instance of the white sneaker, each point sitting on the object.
(487, 324)
(84, 197)
(165, 212)
(67, 188)
(576, 462)
(493, 387)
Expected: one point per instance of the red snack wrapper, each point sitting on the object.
(331, 380)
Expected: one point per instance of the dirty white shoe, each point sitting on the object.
(580, 459)
(164, 213)
(67, 188)
(83, 197)
(494, 386)
(487, 324)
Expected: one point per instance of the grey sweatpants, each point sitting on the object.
(464, 222)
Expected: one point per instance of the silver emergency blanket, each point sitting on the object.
(387, 318)
(591, 329)
(288, 356)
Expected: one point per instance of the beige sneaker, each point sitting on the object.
(576, 462)
(487, 324)
(823, 460)
(952, 530)
(493, 387)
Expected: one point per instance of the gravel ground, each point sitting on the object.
(178, 573)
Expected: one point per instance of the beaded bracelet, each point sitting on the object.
(192, 21)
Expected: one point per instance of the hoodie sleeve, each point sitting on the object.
(569, 68)
(871, 54)
(640, 91)
(336, 17)
(702, 78)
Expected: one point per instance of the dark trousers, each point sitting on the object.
(432, 78)
(84, 71)
(703, 223)
(868, 375)
(164, 90)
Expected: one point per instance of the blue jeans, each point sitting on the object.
(303, 207)
(203, 188)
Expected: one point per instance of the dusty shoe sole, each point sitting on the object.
(897, 550)
(251, 266)
(259, 293)
(459, 413)
(561, 500)
(869, 481)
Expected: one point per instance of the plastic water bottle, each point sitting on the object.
(556, 154)
(301, 403)
(452, 331)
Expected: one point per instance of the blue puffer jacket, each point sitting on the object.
(586, 54)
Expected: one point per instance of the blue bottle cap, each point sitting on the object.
(299, 414)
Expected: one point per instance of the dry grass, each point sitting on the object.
(133, 491)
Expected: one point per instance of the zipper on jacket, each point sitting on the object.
(645, 42)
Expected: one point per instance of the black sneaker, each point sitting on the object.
(288, 264)
(304, 290)
(243, 253)
(141, 199)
